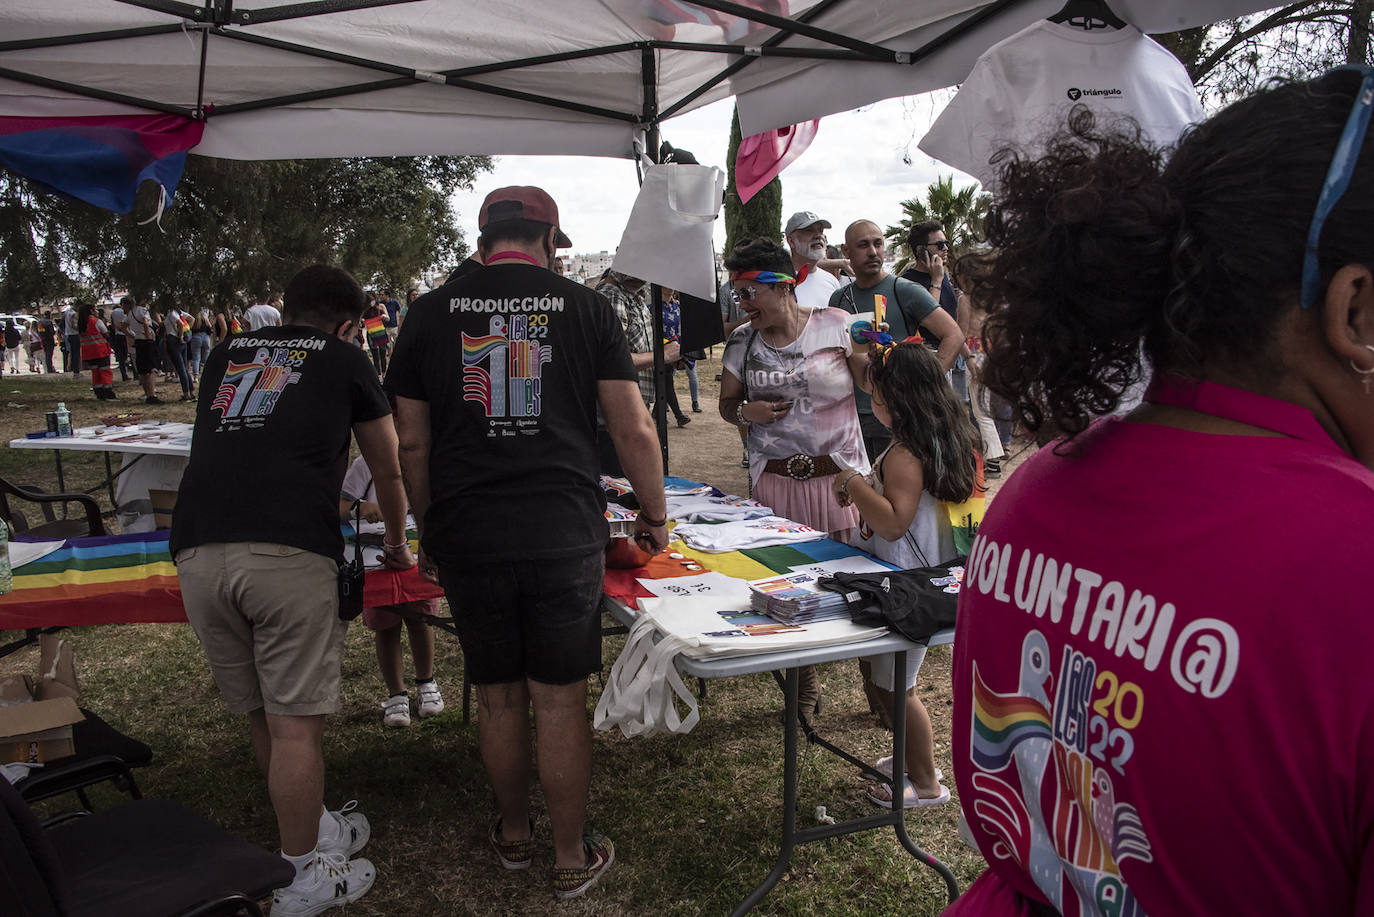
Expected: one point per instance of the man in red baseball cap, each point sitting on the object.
(500, 460)
(523, 202)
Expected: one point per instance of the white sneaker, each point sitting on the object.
(354, 831)
(396, 711)
(431, 701)
(332, 880)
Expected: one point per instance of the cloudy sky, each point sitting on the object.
(856, 168)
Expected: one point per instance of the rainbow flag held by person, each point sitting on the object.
(376, 330)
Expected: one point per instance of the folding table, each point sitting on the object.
(791, 662)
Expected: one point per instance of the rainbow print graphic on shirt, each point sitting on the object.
(1043, 787)
(252, 389)
(509, 382)
(375, 328)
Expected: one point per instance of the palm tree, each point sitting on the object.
(961, 212)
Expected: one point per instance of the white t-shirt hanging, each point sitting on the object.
(1021, 88)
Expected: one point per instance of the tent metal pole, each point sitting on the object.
(648, 66)
(958, 31)
(739, 65)
(800, 27)
(200, 79)
(222, 12)
(87, 38)
(92, 93)
(752, 51)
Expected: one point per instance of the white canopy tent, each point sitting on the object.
(324, 78)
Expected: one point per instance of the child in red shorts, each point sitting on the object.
(385, 621)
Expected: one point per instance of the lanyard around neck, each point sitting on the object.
(513, 256)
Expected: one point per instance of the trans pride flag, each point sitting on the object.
(100, 159)
(376, 329)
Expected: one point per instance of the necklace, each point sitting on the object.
(782, 356)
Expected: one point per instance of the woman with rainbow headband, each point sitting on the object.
(788, 376)
(1161, 693)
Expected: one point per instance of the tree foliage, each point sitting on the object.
(961, 212)
(239, 229)
(761, 216)
(1229, 59)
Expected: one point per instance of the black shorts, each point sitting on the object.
(535, 619)
(145, 357)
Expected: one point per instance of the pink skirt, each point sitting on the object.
(810, 502)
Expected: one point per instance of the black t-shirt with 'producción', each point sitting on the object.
(508, 359)
(271, 441)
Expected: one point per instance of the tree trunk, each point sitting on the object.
(1357, 43)
(761, 216)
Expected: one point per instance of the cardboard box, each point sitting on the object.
(36, 715)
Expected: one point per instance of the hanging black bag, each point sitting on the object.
(352, 573)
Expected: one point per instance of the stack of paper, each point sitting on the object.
(796, 598)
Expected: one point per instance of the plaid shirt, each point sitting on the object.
(638, 323)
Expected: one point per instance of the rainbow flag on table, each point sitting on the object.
(376, 329)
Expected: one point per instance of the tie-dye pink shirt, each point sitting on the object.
(1162, 694)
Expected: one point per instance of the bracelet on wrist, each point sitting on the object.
(395, 547)
(739, 414)
(844, 485)
(653, 523)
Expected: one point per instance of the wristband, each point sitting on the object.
(654, 524)
(739, 414)
(844, 485)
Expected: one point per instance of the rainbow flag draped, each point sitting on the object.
(376, 330)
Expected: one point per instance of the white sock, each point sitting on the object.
(302, 862)
(329, 828)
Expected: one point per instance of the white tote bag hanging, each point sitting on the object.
(667, 240)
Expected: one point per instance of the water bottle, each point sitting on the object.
(64, 419)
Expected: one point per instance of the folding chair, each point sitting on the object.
(102, 753)
(146, 859)
(53, 528)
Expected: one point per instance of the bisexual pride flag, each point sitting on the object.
(101, 159)
(376, 329)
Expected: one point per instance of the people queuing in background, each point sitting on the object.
(374, 334)
(47, 333)
(119, 336)
(202, 327)
(71, 340)
(33, 344)
(95, 351)
(789, 376)
(672, 333)
(13, 341)
(176, 326)
(143, 335)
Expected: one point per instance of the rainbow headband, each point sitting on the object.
(763, 276)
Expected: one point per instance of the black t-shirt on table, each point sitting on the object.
(270, 447)
(508, 358)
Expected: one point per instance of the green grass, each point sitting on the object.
(695, 818)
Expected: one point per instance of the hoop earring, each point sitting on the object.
(1365, 374)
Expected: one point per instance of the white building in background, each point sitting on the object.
(589, 265)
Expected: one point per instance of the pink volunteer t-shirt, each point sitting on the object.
(1162, 691)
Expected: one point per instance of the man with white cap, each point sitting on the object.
(497, 378)
(805, 233)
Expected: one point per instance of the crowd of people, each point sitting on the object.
(1133, 561)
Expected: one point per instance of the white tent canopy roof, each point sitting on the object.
(412, 77)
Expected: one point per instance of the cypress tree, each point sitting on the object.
(762, 215)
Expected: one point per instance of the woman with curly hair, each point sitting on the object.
(1157, 700)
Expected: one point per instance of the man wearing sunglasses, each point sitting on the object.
(929, 255)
